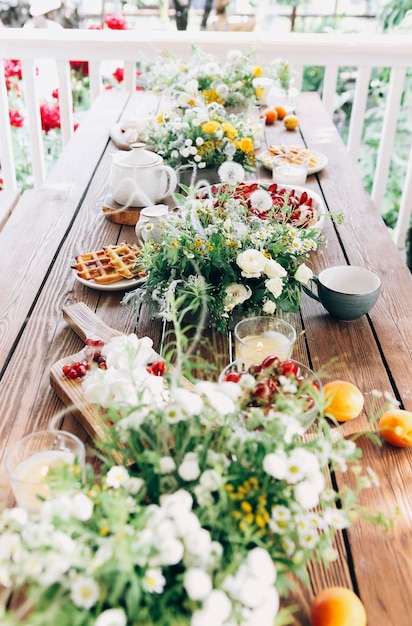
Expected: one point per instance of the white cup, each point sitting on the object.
(151, 222)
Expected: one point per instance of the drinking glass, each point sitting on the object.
(259, 337)
(290, 172)
(43, 463)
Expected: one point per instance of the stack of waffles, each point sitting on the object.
(110, 264)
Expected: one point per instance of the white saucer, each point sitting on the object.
(120, 285)
(266, 159)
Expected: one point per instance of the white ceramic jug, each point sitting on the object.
(152, 216)
(140, 178)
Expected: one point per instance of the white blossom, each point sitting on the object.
(112, 617)
(252, 263)
(84, 592)
(275, 286)
(197, 583)
(303, 274)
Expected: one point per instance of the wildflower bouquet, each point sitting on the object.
(180, 531)
(242, 248)
(203, 78)
(201, 137)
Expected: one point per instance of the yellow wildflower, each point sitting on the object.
(210, 127)
(257, 71)
(246, 144)
(246, 506)
(229, 130)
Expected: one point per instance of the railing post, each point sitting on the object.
(388, 134)
(35, 131)
(358, 111)
(8, 168)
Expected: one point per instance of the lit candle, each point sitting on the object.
(30, 477)
(43, 463)
(254, 348)
(289, 174)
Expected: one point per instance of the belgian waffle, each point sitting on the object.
(110, 264)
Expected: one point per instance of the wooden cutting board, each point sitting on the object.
(86, 324)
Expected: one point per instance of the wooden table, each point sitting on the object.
(65, 217)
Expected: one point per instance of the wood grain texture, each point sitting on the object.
(46, 230)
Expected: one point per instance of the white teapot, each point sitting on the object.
(140, 178)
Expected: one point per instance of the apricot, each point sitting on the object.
(396, 427)
(281, 111)
(343, 400)
(337, 606)
(290, 122)
(270, 115)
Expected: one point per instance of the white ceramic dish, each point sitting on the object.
(120, 285)
(266, 159)
(317, 202)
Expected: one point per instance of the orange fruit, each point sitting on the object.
(281, 111)
(290, 122)
(343, 400)
(271, 115)
(396, 427)
(337, 606)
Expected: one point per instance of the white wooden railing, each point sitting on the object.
(331, 51)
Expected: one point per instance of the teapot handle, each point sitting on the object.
(171, 179)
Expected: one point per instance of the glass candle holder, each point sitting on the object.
(290, 172)
(258, 337)
(44, 463)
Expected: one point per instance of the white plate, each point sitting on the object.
(120, 285)
(266, 159)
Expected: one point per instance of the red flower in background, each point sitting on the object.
(80, 66)
(116, 22)
(50, 117)
(16, 119)
(12, 68)
(118, 74)
(55, 94)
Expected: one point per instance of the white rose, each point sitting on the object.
(252, 263)
(275, 286)
(197, 583)
(238, 292)
(303, 274)
(269, 307)
(273, 269)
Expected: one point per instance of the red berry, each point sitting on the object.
(233, 377)
(269, 361)
(158, 368)
(287, 368)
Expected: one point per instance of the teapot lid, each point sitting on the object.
(141, 157)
